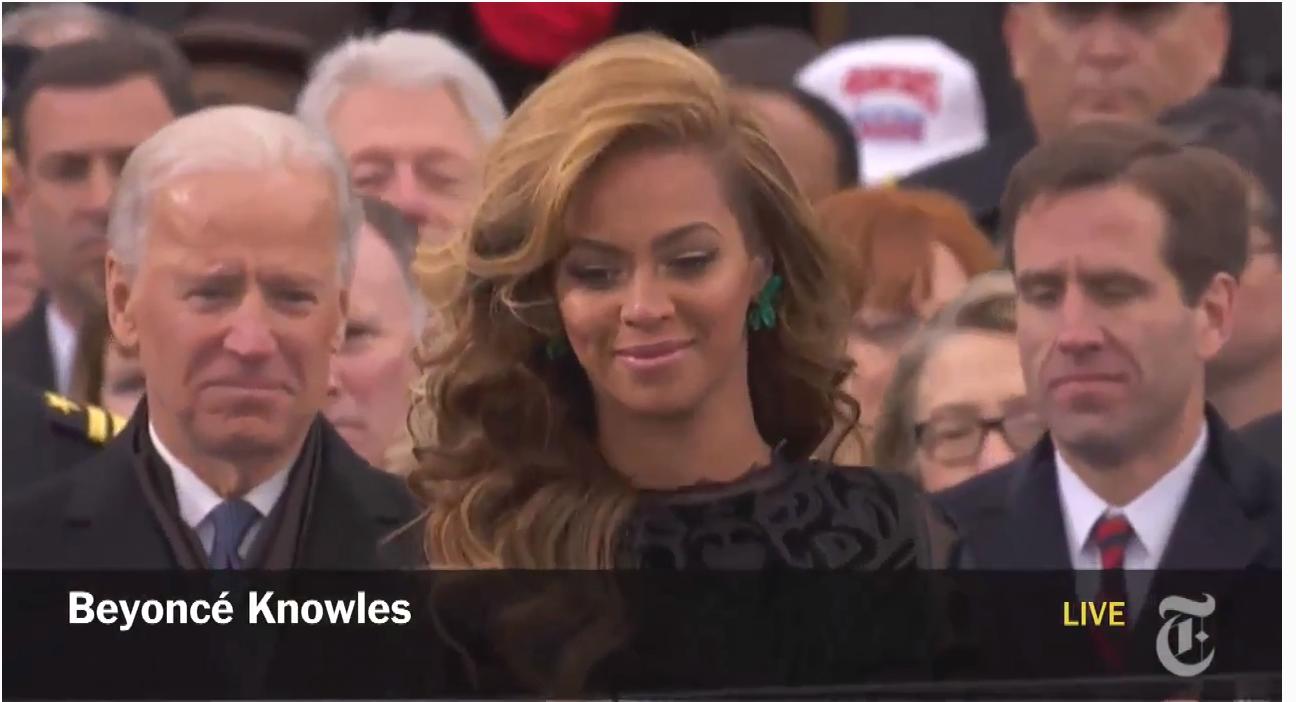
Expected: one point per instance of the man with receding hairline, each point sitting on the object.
(231, 248)
(1126, 247)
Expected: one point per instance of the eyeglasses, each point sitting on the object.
(957, 437)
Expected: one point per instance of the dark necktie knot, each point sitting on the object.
(1111, 535)
(232, 519)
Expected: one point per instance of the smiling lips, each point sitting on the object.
(652, 356)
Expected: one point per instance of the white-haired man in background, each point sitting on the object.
(42, 25)
(232, 238)
(412, 115)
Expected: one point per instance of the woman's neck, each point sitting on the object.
(714, 444)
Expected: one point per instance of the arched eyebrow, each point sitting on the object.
(662, 241)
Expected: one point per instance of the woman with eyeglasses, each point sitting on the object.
(956, 405)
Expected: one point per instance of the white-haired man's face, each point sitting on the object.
(414, 148)
(235, 308)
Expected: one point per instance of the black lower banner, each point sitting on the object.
(638, 635)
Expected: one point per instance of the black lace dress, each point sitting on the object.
(802, 515)
(799, 574)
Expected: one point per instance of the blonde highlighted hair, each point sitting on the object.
(509, 463)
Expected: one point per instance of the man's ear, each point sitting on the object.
(1214, 315)
(121, 313)
(1013, 21)
(1217, 34)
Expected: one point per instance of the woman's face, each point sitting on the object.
(123, 381)
(971, 379)
(655, 287)
(877, 336)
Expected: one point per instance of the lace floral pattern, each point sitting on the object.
(809, 515)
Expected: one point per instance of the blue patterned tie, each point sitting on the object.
(232, 519)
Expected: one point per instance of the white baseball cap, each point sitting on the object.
(912, 102)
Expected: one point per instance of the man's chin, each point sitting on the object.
(252, 438)
(1097, 440)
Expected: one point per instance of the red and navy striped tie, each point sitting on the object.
(1111, 535)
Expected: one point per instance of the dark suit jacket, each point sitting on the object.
(1264, 436)
(98, 518)
(1010, 518)
(1226, 541)
(27, 354)
(978, 178)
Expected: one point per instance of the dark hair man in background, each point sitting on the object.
(1126, 247)
(816, 141)
(1244, 382)
(77, 114)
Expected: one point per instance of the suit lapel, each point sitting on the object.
(108, 520)
(1214, 529)
(351, 515)
(27, 352)
(1030, 534)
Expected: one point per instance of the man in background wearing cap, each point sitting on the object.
(1244, 382)
(77, 114)
(911, 102)
(412, 115)
(44, 25)
(1080, 62)
(259, 53)
(815, 140)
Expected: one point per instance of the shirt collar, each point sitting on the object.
(1151, 515)
(63, 340)
(196, 499)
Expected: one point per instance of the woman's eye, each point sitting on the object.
(691, 264)
(593, 276)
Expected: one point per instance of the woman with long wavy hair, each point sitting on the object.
(641, 343)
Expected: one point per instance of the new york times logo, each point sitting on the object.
(1183, 631)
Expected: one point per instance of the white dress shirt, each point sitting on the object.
(196, 499)
(1152, 516)
(62, 341)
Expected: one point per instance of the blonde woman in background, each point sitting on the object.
(643, 344)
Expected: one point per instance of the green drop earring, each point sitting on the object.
(762, 314)
(556, 348)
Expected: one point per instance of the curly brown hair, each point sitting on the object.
(509, 463)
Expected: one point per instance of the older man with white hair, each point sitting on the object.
(413, 115)
(231, 244)
(43, 24)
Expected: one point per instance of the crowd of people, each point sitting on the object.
(651, 317)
